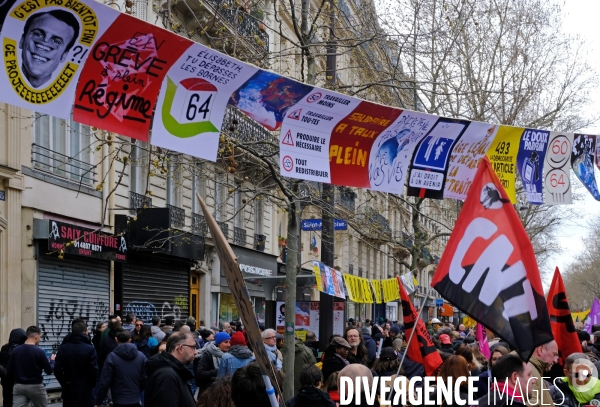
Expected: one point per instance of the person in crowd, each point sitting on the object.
(312, 343)
(310, 394)
(358, 352)
(123, 374)
(352, 372)
(225, 327)
(392, 334)
(210, 359)
(336, 356)
(578, 387)
(302, 356)
(76, 368)
(25, 367)
(330, 386)
(191, 322)
(168, 328)
(269, 337)
(446, 344)
(96, 339)
(387, 364)
(456, 339)
(462, 331)
(16, 338)
(435, 325)
(544, 356)
(466, 352)
(157, 333)
(109, 343)
(377, 333)
(455, 367)
(485, 378)
(510, 373)
(217, 394)
(112, 321)
(207, 335)
(238, 356)
(129, 324)
(162, 347)
(168, 375)
(480, 359)
(144, 341)
(279, 341)
(248, 387)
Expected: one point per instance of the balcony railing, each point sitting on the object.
(138, 201)
(239, 236)
(224, 228)
(60, 165)
(251, 133)
(177, 216)
(346, 197)
(260, 242)
(199, 226)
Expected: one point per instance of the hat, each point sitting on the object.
(436, 321)
(340, 342)
(221, 336)
(388, 353)
(395, 329)
(583, 336)
(351, 320)
(445, 339)
(238, 338)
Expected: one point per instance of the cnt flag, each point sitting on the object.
(489, 271)
(421, 349)
(561, 320)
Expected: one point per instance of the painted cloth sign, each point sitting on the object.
(119, 84)
(193, 99)
(582, 160)
(503, 157)
(45, 44)
(557, 177)
(530, 161)
(329, 281)
(465, 158)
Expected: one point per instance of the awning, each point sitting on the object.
(447, 310)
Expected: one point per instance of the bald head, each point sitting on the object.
(356, 370)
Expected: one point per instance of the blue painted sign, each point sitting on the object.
(439, 302)
(317, 224)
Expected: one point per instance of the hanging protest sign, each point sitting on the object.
(489, 270)
(503, 157)
(430, 162)
(45, 45)
(376, 286)
(530, 162)
(193, 100)
(120, 81)
(582, 161)
(557, 177)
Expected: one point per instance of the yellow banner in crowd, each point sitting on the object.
(376, 285)
(359, 289)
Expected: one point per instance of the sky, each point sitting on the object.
(580, 18)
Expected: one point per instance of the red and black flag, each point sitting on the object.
(421, 349)
(489, 271)
(561, 321)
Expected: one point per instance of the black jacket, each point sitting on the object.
(107, 345)
(567, 398)
(310, 397)
(206, 373)
(76, 369)
(371, 346)
(333, 364)
(123, 373)
(17, 337)
(314, 347)
(166, 384)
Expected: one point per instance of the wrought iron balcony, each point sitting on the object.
(177, 216)
(260, 242)
(224, 228)
(404, 239)
(199, 226)
(138, 201)
(346, 198)
(239, 236)
(61, 165)
(251, 133)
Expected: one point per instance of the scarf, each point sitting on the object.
(272, 351)
(584, 394)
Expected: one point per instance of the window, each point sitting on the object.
(174, 187)
(63, 148)
(238, 209)
(198, 186)
(139, 164)
(220, 197)
(258, 216)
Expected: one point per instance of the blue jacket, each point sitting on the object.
(123, 373)
(238, 356)
(371, 346)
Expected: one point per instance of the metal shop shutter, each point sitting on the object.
(156, 289)
(69, 289)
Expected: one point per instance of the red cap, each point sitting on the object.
(444, 338)
(238, 338)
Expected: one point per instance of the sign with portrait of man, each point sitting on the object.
(44, 46)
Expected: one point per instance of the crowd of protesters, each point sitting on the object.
(171, 363)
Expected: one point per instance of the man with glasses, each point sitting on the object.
(544, 356)
(580, 386)
(168, 375)
(270, 340)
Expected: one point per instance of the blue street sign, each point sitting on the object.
(317, 224)
(439, 302)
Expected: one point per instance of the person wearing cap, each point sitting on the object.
(446, 344)
(387, 364)
(210, 360)
(436, 324)
(336, 356)
(238, 356)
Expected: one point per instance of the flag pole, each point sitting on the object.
(412, 333)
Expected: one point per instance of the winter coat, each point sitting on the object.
(76, 369)
(145, 346)
(314, 347)
(333, 364)
(166, 384)
(371, 346)
(107, 345)
(310, 397)
(157, 333)
(123, 373)
(17, 337)
(237, 357)
(538, 370)
(97, 340)
(208, 366)
(567, 398)
(302, 356)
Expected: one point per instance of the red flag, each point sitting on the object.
(421, 349)
(561, 321)
(489, 271)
